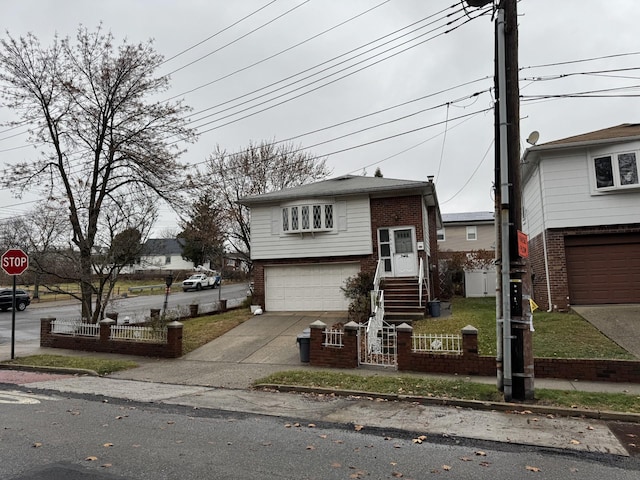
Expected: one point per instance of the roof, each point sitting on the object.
(162, 246)
(346, 185)
(625, 130)
(468, 217)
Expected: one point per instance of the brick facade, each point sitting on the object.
(557, 263)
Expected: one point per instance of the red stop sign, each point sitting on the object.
(15, 261)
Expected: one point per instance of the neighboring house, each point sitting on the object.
(161, 254)
(464, 233)
(581, 210)
(236, 262)
(306, 241)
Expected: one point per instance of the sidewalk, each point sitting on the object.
(220, 374)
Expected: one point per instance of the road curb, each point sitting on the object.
(515, 408)
(33, 368)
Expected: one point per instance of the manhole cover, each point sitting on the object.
(629, 436)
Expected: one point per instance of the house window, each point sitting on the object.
(167, 259)
(308, 218)
(616, 171)
(472, 233)
(440, 235)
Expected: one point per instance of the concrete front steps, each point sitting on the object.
(402, 300)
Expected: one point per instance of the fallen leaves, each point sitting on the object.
(91, 458)
(108, 445)
(575, 442)
(357, 428)
(37, 445)
(532, 469)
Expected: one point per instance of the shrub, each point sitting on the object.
(357, 289)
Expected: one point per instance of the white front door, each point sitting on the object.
(397, 249)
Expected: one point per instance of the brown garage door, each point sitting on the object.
(603, 269)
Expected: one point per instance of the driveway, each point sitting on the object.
(262, 345)
(621, 323)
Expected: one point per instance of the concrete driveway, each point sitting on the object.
(621, 323)
(262, 345)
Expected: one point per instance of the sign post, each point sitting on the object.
(14, 262)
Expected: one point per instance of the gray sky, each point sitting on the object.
(444, 83)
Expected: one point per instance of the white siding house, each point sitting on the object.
(307, 241)
(581, 210)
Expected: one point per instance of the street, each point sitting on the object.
(54, 437)
(135, 307)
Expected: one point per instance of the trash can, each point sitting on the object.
(434, 308)
(304, 341)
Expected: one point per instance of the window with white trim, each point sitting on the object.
(308, 218)
(616, 171)
(472, 233)
(440, 235)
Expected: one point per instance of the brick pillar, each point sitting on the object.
(45, 331)
(404, 333)
(470, 342)
(350, 349)
(174, 339)
(315, 347)
(105, 330)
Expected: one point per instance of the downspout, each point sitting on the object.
(544, 239)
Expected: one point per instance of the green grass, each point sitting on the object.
(201, 330)
(557, 335)
(449, 389)
(100, 365)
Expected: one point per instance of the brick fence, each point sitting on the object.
(103, 343)
(468, 362)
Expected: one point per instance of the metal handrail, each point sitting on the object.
(420, 279)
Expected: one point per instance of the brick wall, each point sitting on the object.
(468, 362)
(102, 343)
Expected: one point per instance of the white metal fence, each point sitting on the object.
(139, 334)
(437, 343)
(75, 327)
(333, 338)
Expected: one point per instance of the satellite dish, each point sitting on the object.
(533, 137)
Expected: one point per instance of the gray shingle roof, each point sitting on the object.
(162, 246)
(345, 185)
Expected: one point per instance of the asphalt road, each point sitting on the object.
(53, 437)
(134, 307)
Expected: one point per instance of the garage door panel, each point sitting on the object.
(307, 287)
(604, 272)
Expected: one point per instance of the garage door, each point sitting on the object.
(603, 269)
(307, 287)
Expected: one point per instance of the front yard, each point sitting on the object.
(557, 335)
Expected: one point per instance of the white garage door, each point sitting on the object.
(307, 287)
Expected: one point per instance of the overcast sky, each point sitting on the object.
(355, 79)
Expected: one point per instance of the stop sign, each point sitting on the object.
(15, 261)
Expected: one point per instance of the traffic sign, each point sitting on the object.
(15, 261)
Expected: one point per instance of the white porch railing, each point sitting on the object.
(420, 279)
(439, 343)
(374, 325)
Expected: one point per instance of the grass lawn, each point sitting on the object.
(557, 335)
(100, 365)
(201, 330)
(460, 389)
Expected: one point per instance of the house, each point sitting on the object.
(161, 254)
(467, 234)
(581, 210)
(307, 240)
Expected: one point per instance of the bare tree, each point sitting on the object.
(260, 168)
(103, 143)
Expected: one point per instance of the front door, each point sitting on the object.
(397, 249)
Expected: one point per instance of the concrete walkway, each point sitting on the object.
(621, 323)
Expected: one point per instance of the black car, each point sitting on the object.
(6, 298)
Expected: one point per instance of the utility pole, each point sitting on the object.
(514, 358)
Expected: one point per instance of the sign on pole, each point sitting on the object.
(15, 261)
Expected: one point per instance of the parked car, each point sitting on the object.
(6, 299)
(198, 281)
